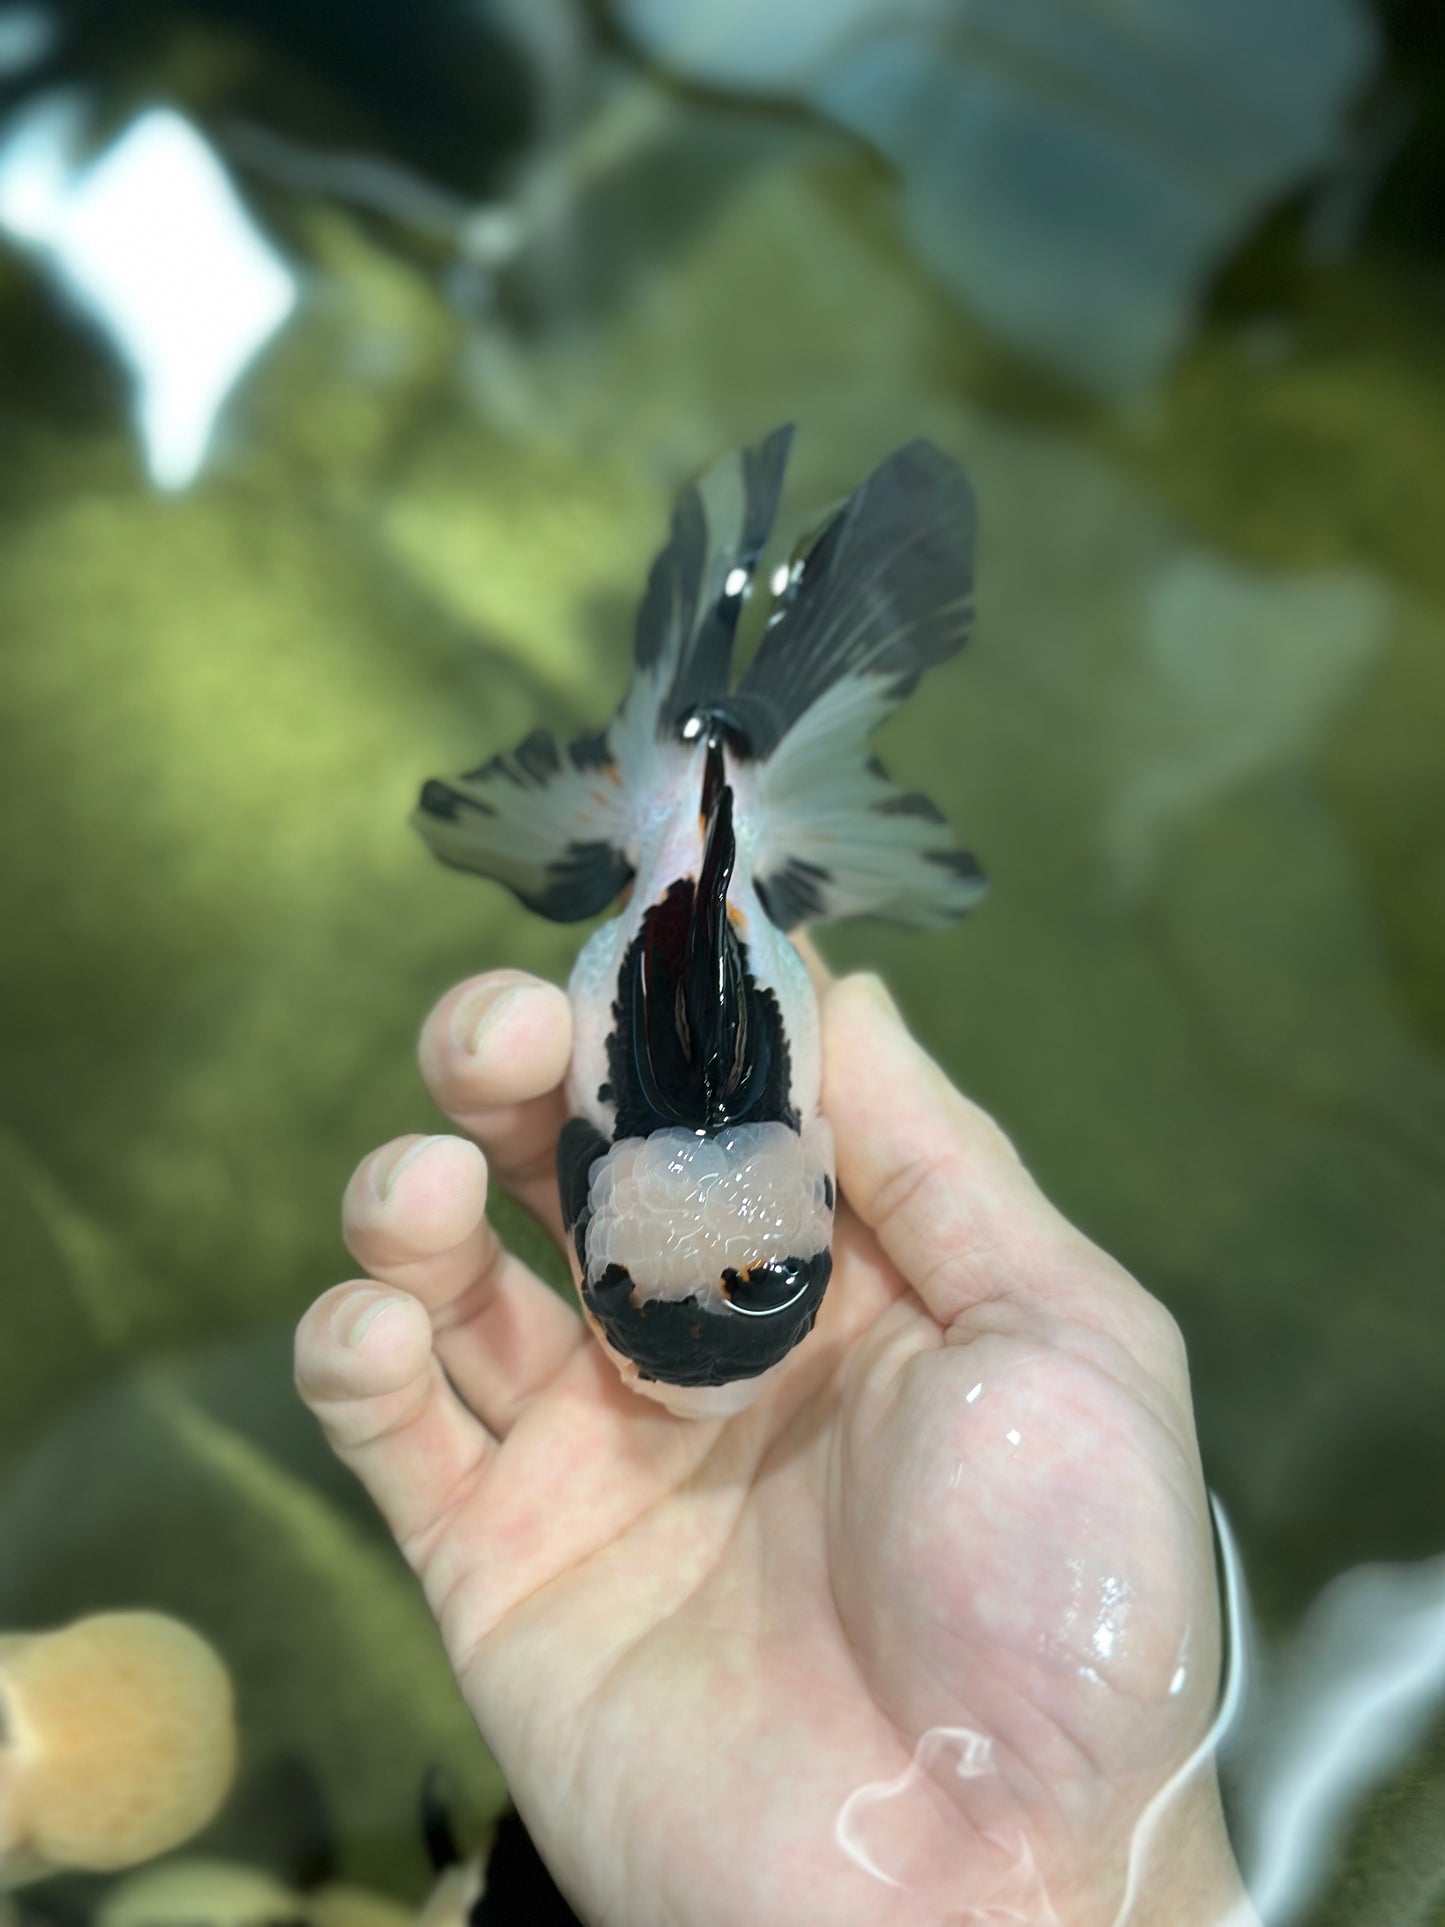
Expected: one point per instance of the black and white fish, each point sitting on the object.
(697, 1172)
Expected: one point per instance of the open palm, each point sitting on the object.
(918, 1638)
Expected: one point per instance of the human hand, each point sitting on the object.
(917, 1638)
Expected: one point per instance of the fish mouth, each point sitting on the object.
(763, 1313)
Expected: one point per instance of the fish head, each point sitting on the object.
(705, 1255)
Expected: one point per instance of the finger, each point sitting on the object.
(415, 1216)
(366, 1368)
(942, 1188)
(817, 965)
(494, 1053)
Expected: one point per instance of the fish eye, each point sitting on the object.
(682, 1342)
(767, 1288)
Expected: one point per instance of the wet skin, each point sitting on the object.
(916, 1638)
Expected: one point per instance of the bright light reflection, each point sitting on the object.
(151, 241)
(1365, 1680)
(1230, 1700)
(974, 1760)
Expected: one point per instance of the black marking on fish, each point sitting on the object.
(535, 760)
(696, 1041)
(580, 883)
(714, 782)
(829, 1192)
(884, 592)
(911, 803)
(794, 893)
(678, 1341)
(439, 799)
(583, 881)
(960, 862)
(579, 1145)
(590, 751)
(689, 614)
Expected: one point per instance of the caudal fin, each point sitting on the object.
(554, 823)
(883, 593)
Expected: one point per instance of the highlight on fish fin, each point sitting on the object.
(882, 594)
(548, 822)
(554, 824)
(687, 624)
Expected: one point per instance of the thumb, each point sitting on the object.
(934, 1177)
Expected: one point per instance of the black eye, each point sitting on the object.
(767, 1288)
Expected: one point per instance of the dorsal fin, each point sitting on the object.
(698, 1044)
(714, 1003)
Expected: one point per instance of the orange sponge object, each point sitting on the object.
(117, 1742)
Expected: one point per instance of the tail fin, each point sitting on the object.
(688, 621)
(554, 823)
(884, 592)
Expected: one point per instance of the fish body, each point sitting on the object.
(696, 1170)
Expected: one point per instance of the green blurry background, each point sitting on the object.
(1197, 743)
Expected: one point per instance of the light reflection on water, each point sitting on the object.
(1344, 1705)
(1322, 1724)
(150, 241)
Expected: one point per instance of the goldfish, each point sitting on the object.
(696, 1169)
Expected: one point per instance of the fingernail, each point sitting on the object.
(361, 1314)
(384, 1176)
(476, 1016)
